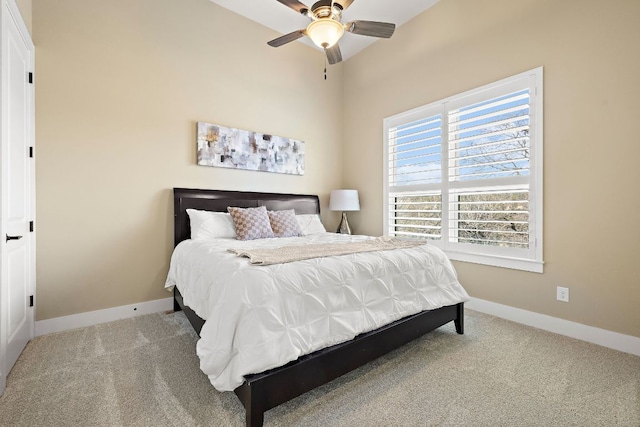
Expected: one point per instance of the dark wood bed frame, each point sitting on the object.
(263, 391)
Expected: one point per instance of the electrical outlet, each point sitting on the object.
(562, 294)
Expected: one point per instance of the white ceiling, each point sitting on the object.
(284, 20)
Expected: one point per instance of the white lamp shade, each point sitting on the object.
(325, 32)
(344, 200)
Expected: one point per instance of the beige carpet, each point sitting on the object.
(144, 372)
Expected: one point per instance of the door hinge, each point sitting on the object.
(31, 77)
(30, 300)
(30, 151)
(31, 226)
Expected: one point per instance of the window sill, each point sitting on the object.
(498, 261)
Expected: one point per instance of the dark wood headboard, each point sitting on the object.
(219, 200)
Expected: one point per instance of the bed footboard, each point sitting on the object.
(261, 392)
(459, 320)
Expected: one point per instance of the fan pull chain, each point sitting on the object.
(325, 67)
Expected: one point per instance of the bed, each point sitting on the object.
(267, 389)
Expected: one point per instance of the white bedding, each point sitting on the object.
(261, 317)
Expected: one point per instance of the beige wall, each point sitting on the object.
(121, 84)
(120, 87)
(589, 51)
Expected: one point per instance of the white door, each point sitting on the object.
(17, 242)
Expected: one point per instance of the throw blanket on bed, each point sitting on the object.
(286, 254)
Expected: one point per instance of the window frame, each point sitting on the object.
(530, 259)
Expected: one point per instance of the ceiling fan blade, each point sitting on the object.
(295, 5)
(344, 4)
(333, 54)
(371, 28)
(286, 38)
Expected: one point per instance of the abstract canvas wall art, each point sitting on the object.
(227, 147)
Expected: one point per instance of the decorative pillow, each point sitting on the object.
(284, 223)
(251, 223)
(210, 225)
(310, 224)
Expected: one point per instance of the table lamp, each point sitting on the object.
(344, 200)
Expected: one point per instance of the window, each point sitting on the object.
(466, 173)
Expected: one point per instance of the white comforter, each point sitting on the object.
(261, 317)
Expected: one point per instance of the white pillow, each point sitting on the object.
(207, 225)
(310, 224)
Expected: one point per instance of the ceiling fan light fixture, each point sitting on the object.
(325, 32)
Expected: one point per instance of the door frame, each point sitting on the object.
(9, 10)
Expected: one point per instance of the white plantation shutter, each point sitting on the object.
(415, 162)
(466, 173)
(415, 152)
(495, 217)
(416, 215)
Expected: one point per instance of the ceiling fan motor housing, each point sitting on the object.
(323, 9)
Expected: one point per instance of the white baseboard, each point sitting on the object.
(90, 318)
(614, 340)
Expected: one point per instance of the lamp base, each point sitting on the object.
(344, 228)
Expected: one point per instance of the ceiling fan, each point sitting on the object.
(326, 26)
